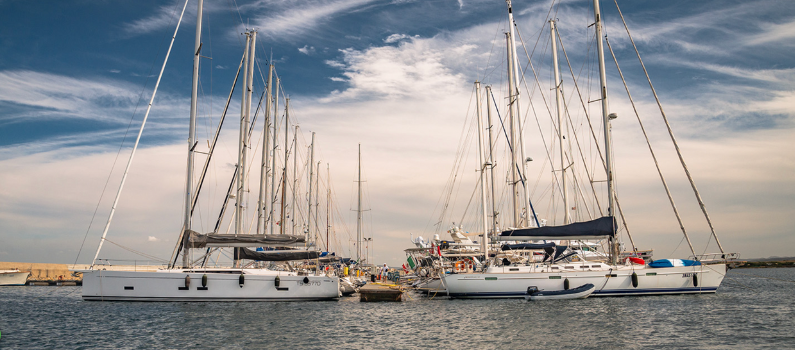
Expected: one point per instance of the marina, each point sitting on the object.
(737, 320)
(357, 174)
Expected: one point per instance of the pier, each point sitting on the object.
(380, 292)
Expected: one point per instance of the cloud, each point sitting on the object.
(414, 68)
(395, 38)
(115, 71)
(58, 94)
(307, 50)
(218, 66)
(286, 20)
(153, 239)
(164, 17)
(773, 33)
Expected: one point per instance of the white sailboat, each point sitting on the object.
(609, 278)
(196, 283)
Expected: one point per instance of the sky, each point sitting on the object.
(396, 77)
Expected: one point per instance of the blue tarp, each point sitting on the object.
(673, 263)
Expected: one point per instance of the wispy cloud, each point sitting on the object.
(57, 94)
(163, 17)
(288, 19)
(780, 33)
(395, 38)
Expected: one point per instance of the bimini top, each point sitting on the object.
(595, 229)
(197, 240)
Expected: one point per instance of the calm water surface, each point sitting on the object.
(754, 308)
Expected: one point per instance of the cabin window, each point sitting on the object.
(568, 267)
(555, 267)
(584, 266)
(513, 269)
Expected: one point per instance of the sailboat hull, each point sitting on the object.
(221, 285)
(609, 282)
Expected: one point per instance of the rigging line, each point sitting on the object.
(137, 252)
(510, 147)
(671, 133)
(582, 156)
(465, 156)
(138, 139)
(200, 183)
(445, 195)
(121, 145)
(587, 116)
(651, 150)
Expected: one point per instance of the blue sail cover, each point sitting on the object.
(594, 229)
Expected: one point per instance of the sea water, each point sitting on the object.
(753, 308)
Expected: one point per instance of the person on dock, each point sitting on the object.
(384, 271)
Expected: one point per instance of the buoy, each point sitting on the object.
(241, 280)
(277, 281)
(695, 280)
(204, 280)
(634, 280)
(306, 280)
(187, 281)
(566, 284)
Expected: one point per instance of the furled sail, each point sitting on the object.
(278, 255)
(198, 240)
(600, 228)
(521, 246)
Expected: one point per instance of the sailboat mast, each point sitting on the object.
(311, 175)
(295, 179)
(273, 159)
(514, 181)
(359, 211)
(284, 170)
(328, 205)
(559, 104)
(481, 158)
(242, 145)
(491, 163)
(191, 132)
(606, 120)
(525, 194)
(262, 204)
(317, 202)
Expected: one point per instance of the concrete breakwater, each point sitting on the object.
(45, 274)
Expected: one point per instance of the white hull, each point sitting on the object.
(651, 281)
(222, 285)
(13, 278)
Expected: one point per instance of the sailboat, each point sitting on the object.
(198, 283)
(609, 277)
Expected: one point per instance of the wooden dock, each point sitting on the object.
(380, 292)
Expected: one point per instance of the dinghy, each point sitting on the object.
(580, 292)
